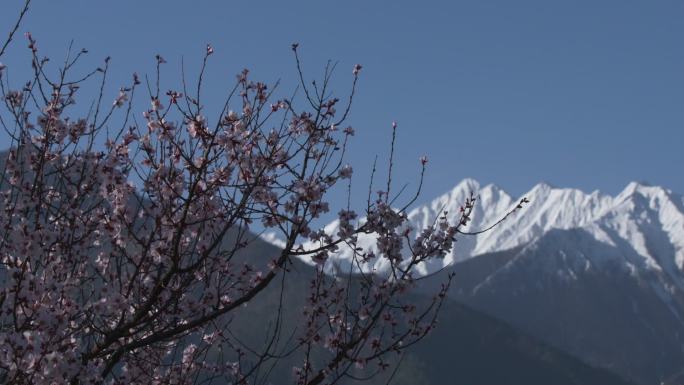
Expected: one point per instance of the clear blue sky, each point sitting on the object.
(586, 94)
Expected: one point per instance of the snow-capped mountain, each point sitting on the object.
(645, 223)
(599, 276)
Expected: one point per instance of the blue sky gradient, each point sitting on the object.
(581, 94)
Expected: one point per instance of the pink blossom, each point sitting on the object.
(121, 99)
(346, 172)
(349, 131)
(357, 69)
(156, 104)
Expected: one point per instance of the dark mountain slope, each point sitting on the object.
(577, 299)
(471, 348)
(468, 347)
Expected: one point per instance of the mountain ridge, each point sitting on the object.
(624, 220)
(596, 275)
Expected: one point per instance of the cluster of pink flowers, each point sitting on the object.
(120, 253)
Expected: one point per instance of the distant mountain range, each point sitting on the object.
(598, 276)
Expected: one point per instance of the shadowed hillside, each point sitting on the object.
(468, 347)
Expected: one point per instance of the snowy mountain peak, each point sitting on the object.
(641, 188)
(542, 187)
(636, 219)
(468, 185)
(643, 224)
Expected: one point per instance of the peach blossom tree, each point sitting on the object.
(122, 231)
